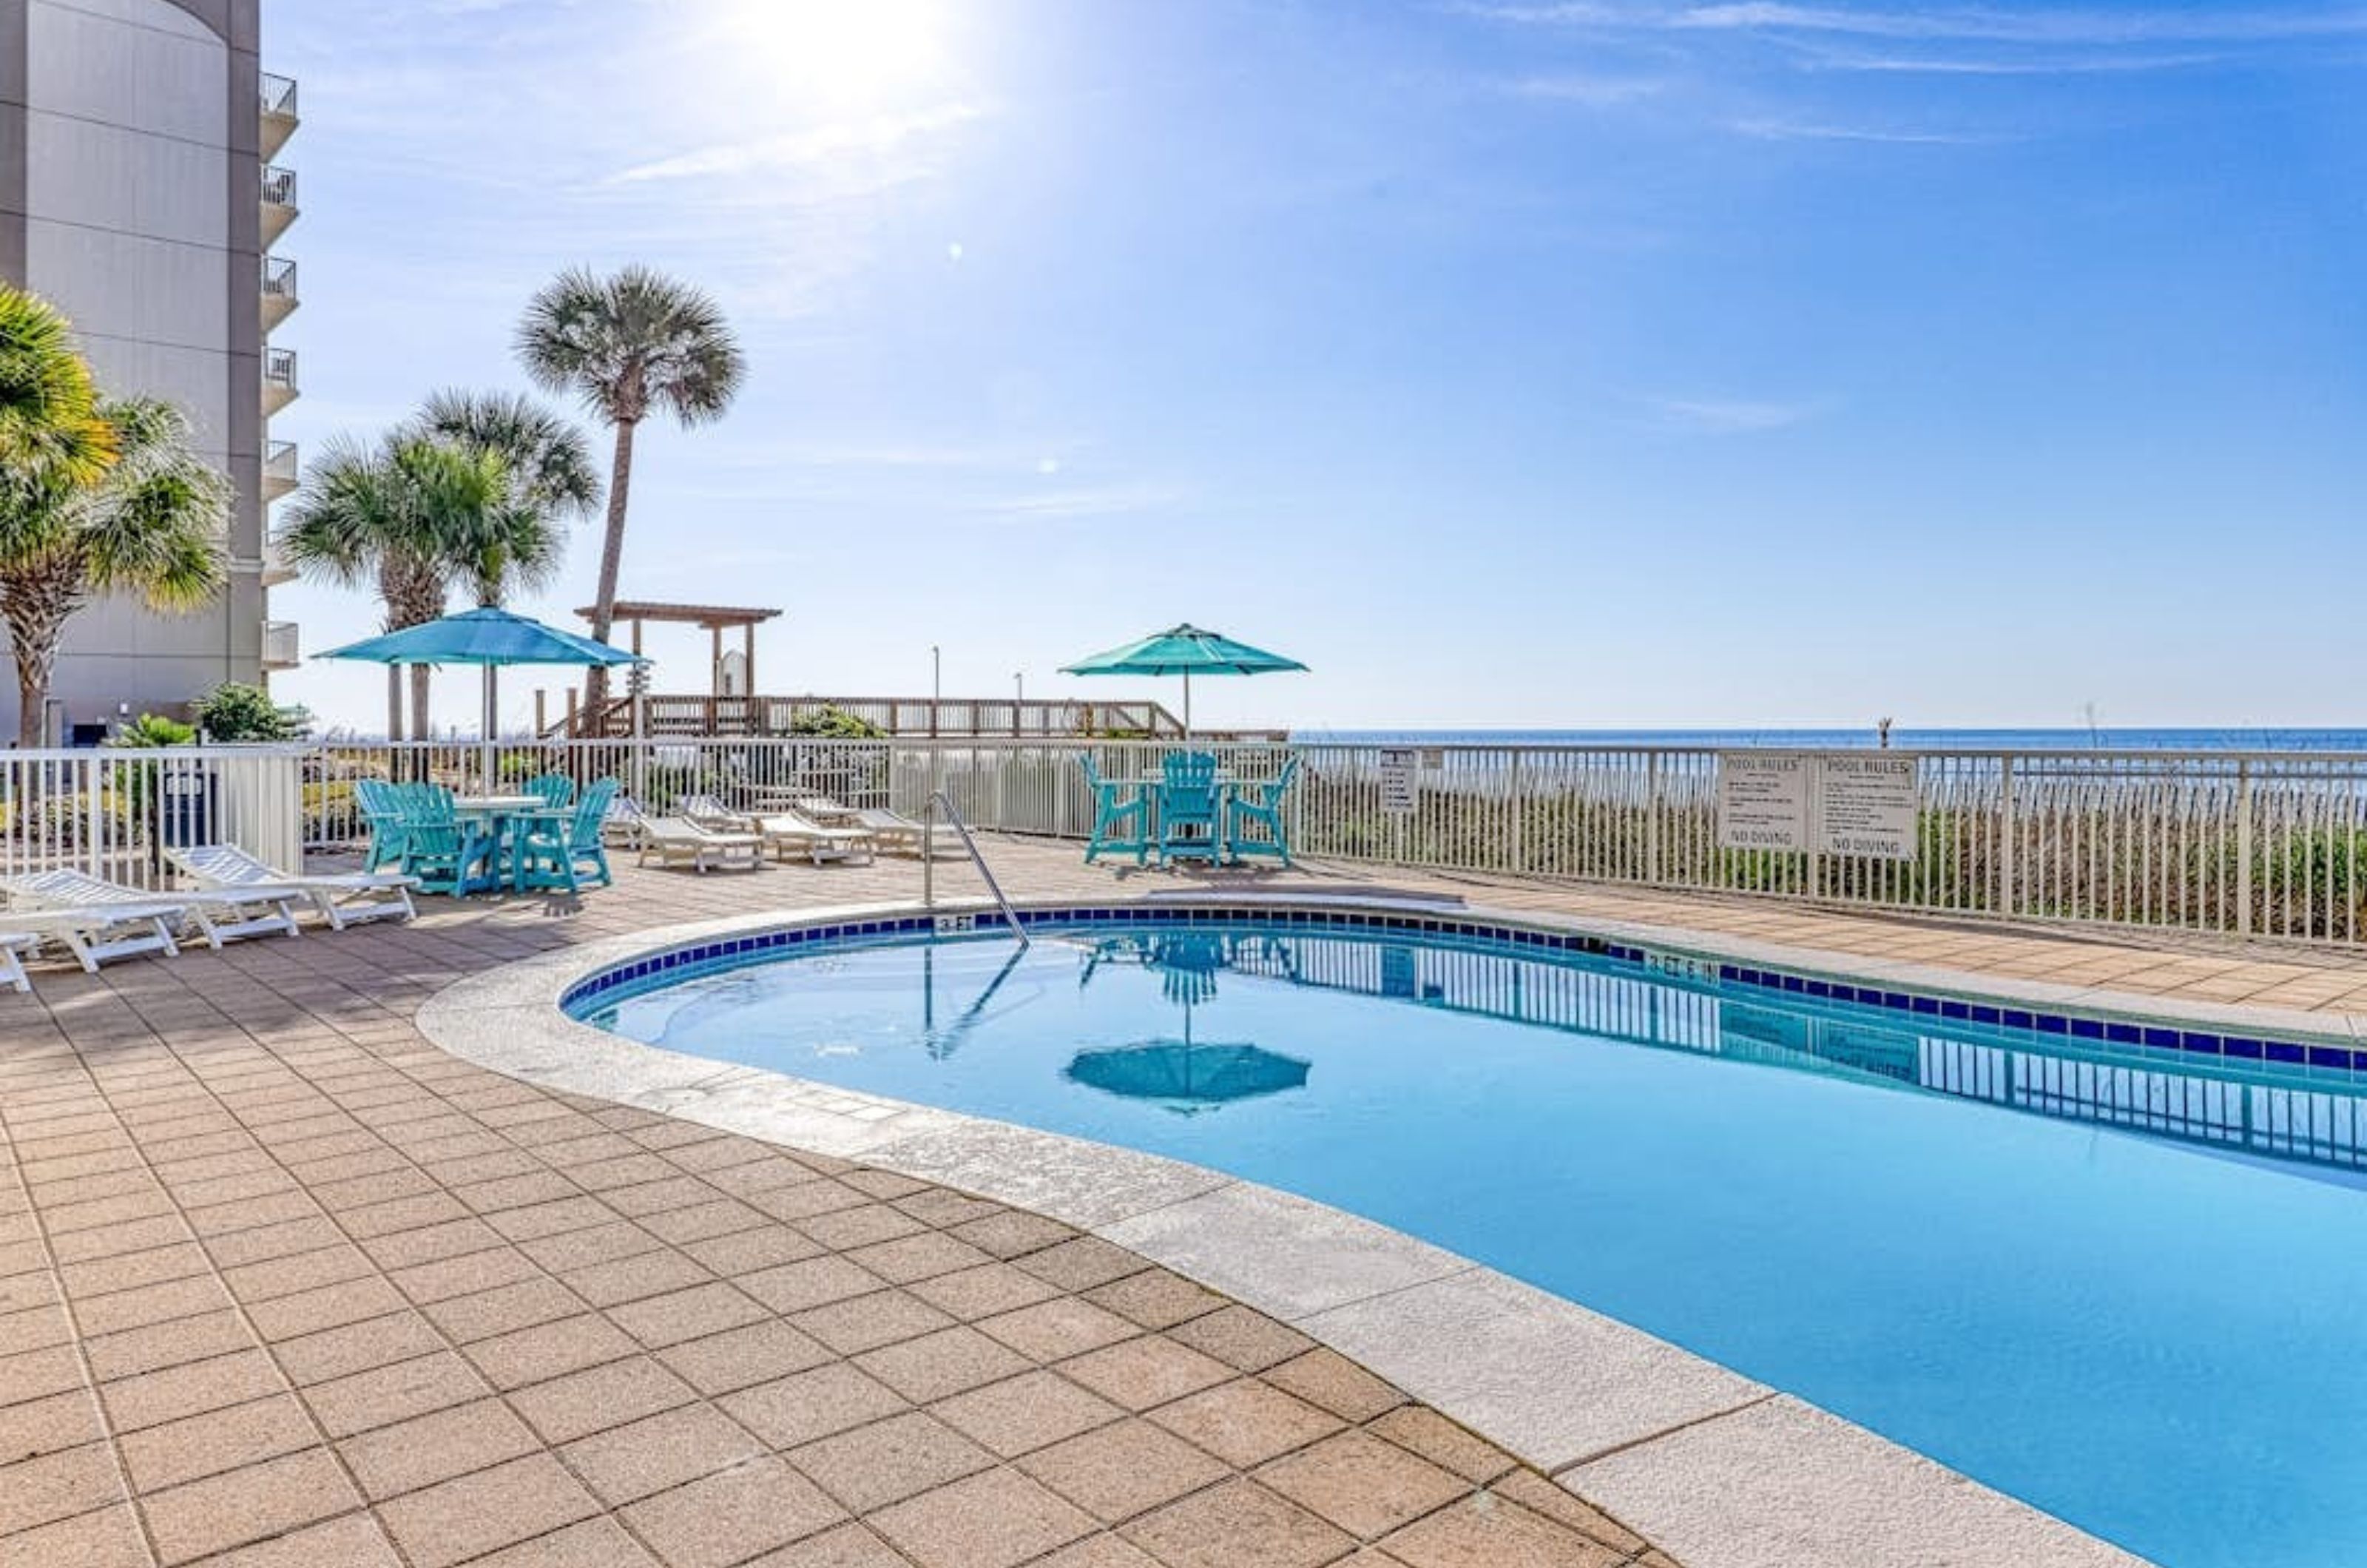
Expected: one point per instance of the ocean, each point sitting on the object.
(2186, 739)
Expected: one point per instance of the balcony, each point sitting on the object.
(279, 299)
(277, 568)
(278, 202)
(278, 379)
(283, 649)
(279, 471)
(279, 119)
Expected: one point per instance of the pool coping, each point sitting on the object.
(1719, 1471)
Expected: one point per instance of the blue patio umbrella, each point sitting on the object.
(489, 639)
(1184, 651)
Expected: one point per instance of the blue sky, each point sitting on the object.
(1536, 365)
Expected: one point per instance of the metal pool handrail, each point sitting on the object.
(929, 860)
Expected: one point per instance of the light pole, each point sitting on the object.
(936, 673)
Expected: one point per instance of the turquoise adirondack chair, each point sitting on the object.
(448, 855)
(556, 790)
(381, 806)
(1187, 808)
(1113, 816)
(1261, 809)
(553, 848)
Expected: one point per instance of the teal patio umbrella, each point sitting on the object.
(489, 639)
(1184, 651)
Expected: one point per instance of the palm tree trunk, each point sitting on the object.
(394, 702)
(612, 559)
(419, 678)
(35, 606)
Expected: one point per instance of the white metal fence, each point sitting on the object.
(114, 813)
(2245, 844)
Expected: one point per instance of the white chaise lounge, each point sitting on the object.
(788, 832)
(219, 917)
(95, 936)
(14, 946)
(343, 899)
(677, 840)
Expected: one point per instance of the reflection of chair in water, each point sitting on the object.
(1188, 964)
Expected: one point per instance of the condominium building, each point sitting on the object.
(141, 191)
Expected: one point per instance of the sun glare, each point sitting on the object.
(849, 53)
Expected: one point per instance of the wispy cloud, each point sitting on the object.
(2037, 25)
(1825, 130)
(1601, 92)
(821, 144)
(1726, 416)
(2079, 27)
(2035, 66)
(1108, 501)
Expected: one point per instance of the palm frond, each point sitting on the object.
(632, 343)
(549, 459)
(52, 432)
(156, 524)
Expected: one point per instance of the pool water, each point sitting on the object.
(2129, 1290)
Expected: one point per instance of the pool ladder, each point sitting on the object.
(929, 860)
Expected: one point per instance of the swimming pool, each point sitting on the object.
(2127, 1285)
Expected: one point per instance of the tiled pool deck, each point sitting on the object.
(281, 1282)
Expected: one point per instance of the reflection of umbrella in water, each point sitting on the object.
(1181, 1075)
(1187, 1078)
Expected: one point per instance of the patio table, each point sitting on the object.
(504, 815)
(1154, 786)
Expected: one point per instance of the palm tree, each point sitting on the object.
(629, 345)
(413, 517)
(149, 522)
(549, 459)
(51, 430)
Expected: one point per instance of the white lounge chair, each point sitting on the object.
(679, 840)
(900, 834)
(621, 828)
(789, 832)
(95, 936)
(343, 899)
(219, 917)
(13, 945)
(710, 812)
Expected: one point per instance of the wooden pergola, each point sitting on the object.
(715, 618)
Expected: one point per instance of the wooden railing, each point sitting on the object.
(960, 718)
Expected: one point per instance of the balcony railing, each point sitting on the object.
(280, 368)
(278, 119)
(277, 566)
(283, 646)
(280, 468)
(279, 299)
(278, 186)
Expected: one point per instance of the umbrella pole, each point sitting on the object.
(1187, 707)
(485, 745)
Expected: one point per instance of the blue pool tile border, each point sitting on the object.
(579, 998)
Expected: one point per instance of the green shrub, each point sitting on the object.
(831, 722)
(151, 731)
(235, 713)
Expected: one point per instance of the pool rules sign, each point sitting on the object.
(1843, 803)
(1865, 804)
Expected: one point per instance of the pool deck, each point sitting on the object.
(283, 1282)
